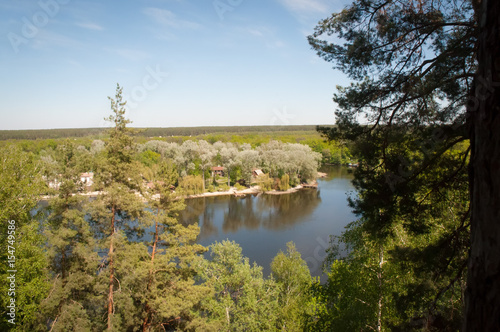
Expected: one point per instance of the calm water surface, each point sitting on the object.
(262, 225)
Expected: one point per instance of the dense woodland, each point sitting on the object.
(203, 132)
(423, 255)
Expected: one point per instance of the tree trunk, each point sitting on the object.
(380, 290)
(145, 324)
(203, 175)
(482, 302)
(111, 271)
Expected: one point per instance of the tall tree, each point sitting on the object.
(414, 63)
(206, 153)
(228, 156)
(169, 294)
(483, 282)
(119, 181)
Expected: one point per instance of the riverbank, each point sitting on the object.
(231, 192)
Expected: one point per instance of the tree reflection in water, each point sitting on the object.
(273, 212)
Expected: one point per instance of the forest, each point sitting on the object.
(420, 118)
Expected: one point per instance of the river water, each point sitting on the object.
(263, 224)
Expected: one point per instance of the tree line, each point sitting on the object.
(33, 134)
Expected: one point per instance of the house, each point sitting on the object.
(217, 170)
(87, 179)
(256, 172)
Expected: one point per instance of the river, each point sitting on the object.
(263, 224)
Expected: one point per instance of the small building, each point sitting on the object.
(257, 171)
(87, 179)
(217, 170)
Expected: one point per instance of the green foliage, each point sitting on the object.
(239, 187)
(294, 280)
(148, 158)
(264, 182)
(31, 276)
(118, 177)
(191, 185)
(244, 300)
(223, 187)
(284, 182)
(412, 65)
(71, 251)
(20, 187)
(166, 288)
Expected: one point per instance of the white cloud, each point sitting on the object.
(255, 32)
(305, 6)
(47, 39)
(167, 18)
(90, 26)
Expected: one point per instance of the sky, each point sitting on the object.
(181, 63)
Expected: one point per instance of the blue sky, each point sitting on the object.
(180, 62)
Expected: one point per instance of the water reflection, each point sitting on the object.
(272, 212)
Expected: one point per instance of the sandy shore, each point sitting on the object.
(233, 191)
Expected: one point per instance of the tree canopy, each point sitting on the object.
(418, 88)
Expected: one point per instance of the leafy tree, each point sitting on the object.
(206, 152)
(294, 279)
(20, 187)
(249, 160)
(228, 156)
(284, 182)
(191, 185)
(244, 300)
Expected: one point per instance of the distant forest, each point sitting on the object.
(33, 134)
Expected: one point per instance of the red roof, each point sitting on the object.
(217, 168)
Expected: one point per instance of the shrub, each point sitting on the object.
(265, 182)
(191, 184)
(239, 187)
(284, 182)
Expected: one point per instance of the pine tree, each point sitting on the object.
(170, 295)
(115, 210)
(413, 64)
(73, 262)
